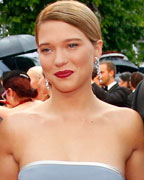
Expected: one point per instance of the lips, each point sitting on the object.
(63, 74)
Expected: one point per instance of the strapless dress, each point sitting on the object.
(65, 170)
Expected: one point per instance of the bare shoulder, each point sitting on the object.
(123, 117)
(129, 128)
(126, 121)
(133, 134)
(13, 121)
(132, 124)
(4, 111)
(131, 121)
(18, 118)
(8, 166)
(4, 114)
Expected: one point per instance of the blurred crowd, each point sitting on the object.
(121, 90)
(18, 87)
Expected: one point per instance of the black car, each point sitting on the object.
(21, 62)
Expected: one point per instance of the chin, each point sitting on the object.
(66, 89)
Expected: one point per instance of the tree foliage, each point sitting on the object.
(19, 16)
(122, 22)
(122, 25)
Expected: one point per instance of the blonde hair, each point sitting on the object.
(74, 13)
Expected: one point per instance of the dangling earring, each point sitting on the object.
(97, 65)
(47, 84)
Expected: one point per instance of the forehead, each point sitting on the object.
(103, 67)
(59, 30)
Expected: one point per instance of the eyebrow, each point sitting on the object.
(67, 40)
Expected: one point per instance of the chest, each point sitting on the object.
(64, 141)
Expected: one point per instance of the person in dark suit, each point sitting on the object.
(138, 99)
(136, 77)
(112, 93)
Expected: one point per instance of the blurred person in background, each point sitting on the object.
(124, 79)
(138, 99)
(17, 89)
(112, 92)
(39, 82)
(95, 78)
(136, 78)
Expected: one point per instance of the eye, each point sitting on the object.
(72, 45)
(45, 50)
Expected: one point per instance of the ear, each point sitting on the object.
(111, 73)
(98, 48)
(10, 92)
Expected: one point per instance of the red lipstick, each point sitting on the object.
(63, 74)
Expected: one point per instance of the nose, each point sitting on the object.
(60, 58)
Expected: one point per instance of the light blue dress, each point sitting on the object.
(65, 170)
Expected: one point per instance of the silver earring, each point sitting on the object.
(97, 65)
(47, 84)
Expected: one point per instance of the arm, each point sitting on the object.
(135, 163)
(8, 169)
(8, 166)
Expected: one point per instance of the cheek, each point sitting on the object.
(105, 76)
(84, 60)
(42, 60)
(34, 83)
(85, 55)
(121, 82)
(45, 63)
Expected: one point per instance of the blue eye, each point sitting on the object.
(46, 50)
(72, 45)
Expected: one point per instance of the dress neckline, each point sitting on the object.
(72, 163)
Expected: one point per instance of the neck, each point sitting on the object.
(132, 88)
(22, 101)
(75, 101)
(110, 81)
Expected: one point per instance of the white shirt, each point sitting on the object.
(111, 85)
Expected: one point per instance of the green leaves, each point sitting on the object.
(122, 25)
(122, 22)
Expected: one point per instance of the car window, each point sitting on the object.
(21, 62)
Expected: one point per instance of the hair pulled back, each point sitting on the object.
(74, 13)
(21, 86)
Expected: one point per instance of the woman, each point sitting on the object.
(17, 89)
(17, 92)
(124, 79)
(38, 82)
(72, 135)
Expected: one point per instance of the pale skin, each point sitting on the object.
(72, 125)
